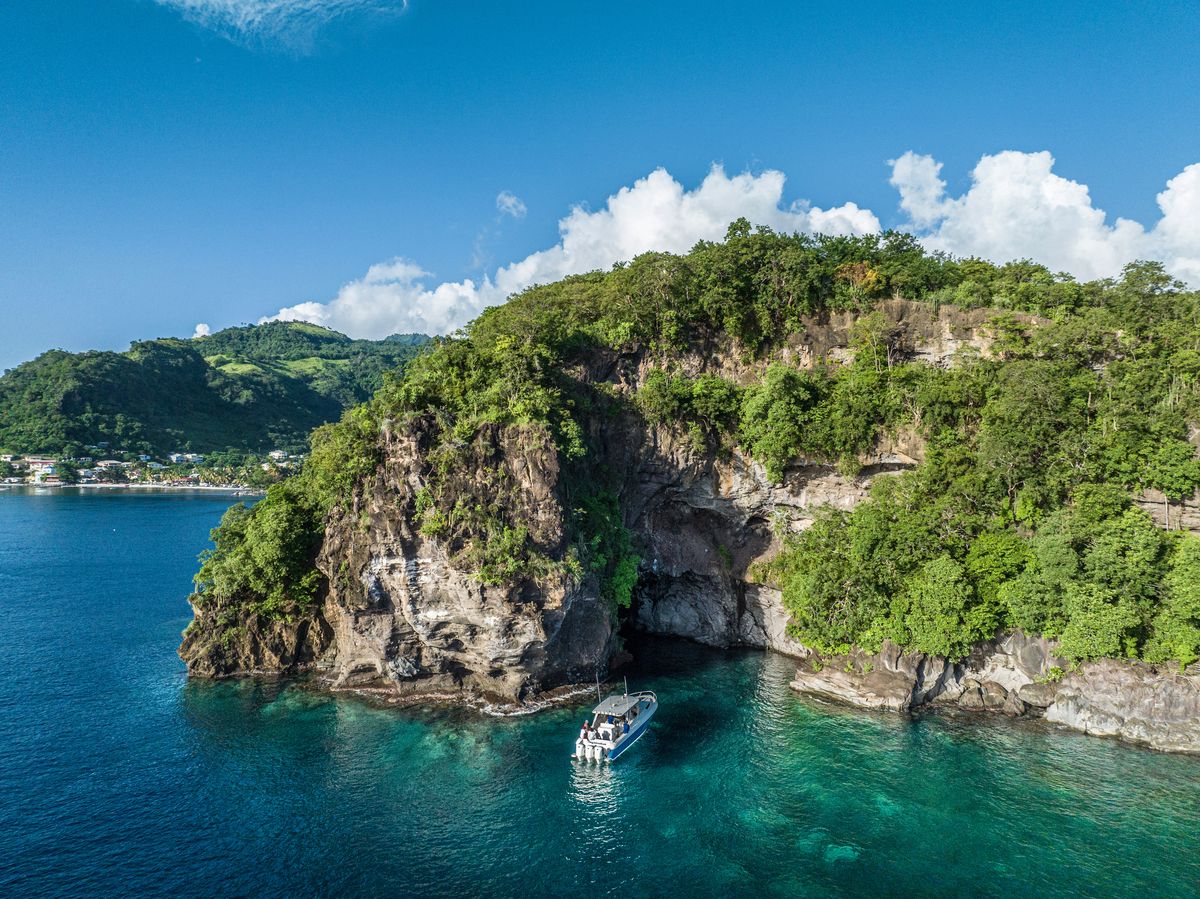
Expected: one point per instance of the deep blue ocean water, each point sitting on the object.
(118, 777)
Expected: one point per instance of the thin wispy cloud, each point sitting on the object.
(292, 24)
(510, 204)
(1017, 207)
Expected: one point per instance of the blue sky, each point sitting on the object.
(161, 167)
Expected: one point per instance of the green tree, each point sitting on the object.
(1035, 597)
(994, 558)
(1174, 469)
(1176, 628)
(1100, 623)
(775, 414)
(939, 613)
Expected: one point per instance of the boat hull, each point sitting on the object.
(603, 751)
(634, 734)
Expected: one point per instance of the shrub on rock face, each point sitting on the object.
(1100, 623)
(939, 612)
(1176, 628)
(775, 415)
(264, 555)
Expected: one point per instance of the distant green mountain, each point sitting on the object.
(252, 389)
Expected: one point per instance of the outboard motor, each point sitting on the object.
(580, 753)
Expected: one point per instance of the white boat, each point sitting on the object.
(616, 724)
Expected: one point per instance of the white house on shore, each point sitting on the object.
(41, 468)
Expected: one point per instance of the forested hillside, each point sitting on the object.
(1021, 514)
(252, 388)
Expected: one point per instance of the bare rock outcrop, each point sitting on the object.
(226, 640)
(1131, 700)
(1018, 675)
(704, 524)
(899, 681)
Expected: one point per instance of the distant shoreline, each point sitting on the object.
(172, 488)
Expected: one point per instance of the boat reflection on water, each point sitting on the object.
(596, 787)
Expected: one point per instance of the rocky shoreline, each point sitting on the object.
(1019, 676)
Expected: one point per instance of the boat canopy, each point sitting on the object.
(616, 705)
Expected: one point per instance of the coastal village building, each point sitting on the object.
(39, 467)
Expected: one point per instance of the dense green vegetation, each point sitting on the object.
(245, 389)
(1022, 513)
(263, 557)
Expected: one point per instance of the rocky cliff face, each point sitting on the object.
(405, 610)
(1134, 701)
(225, 640)
(407, 613)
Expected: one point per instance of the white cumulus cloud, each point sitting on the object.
(1017, 207)
(293, 23)
(202, 330)
(656, 213)
(510, 204)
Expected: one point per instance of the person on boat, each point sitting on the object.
(583, 731)
(626, 730)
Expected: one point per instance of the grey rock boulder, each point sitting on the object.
(1037, 694)
(1131, 700)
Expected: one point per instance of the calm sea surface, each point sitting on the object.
(118, 777)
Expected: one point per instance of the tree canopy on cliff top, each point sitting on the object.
(1022, 512)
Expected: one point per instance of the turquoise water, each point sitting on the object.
(119, 777)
